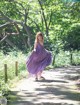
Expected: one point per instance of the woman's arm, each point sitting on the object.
(35, 45)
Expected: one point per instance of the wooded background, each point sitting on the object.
(58, 20)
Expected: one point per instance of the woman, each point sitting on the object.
(39, 58)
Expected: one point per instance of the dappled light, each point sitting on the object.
(56, 89)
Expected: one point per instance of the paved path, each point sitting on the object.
(58, 89)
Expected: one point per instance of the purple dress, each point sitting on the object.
(38, 59)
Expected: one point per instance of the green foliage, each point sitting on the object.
(72, 39)
(63, 59)
(54, 18)
(10, 60)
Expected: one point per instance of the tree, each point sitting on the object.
(53, 18)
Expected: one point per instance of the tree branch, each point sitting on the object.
(7, 40)
(3, 38)
(45, 21)
(8, 19)
(20, 4)
(4, 25)
(50, 19)
(42, 12)
(9, 23)
(5, 17)
(35, 23)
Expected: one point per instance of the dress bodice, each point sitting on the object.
(39, 47)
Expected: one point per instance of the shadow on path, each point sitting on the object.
(57, 89)
(48, 81)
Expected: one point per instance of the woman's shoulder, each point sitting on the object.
(35, 44)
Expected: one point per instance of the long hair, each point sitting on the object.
(39, 34)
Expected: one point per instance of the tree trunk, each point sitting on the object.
(29, 35)
(45, 21)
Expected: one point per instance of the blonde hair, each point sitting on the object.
(38, 34)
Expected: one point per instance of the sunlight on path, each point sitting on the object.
(57, 89)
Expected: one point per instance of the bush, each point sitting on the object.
(63, 58)
(10, 60)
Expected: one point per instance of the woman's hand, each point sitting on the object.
(34, 50)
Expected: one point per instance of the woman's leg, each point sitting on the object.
(40, 73)
(36, 76)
